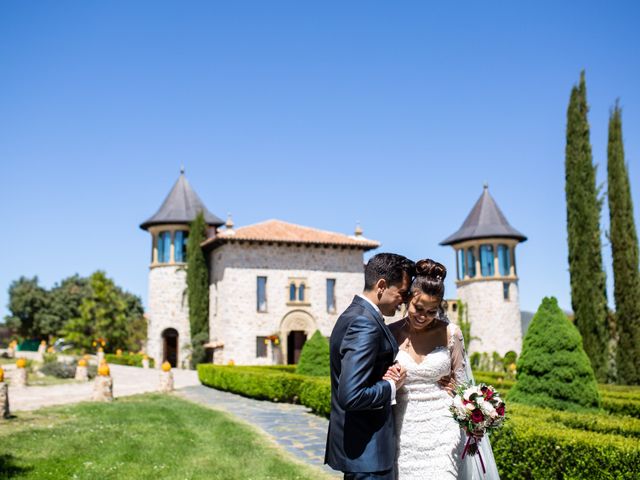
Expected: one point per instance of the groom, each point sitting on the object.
(361, 441)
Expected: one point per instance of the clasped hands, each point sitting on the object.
(397, 374)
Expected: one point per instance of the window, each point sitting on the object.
(461, 265)
(486, 260)
(505, 290)
(504, 260)
(180, 246)
(262, 294)
(297, 291)
(164, 247)
(261, 347)
(331, 295)
(454, 307)
(471, 262)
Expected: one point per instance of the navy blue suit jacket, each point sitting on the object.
(361, 435)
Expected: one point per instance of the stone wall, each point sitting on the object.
(494, 320)
(234, 319)
(168, 308)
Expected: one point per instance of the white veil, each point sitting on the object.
(472, 466)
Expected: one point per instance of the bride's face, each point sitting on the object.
(423, 310)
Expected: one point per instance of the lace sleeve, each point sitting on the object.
(458, 357)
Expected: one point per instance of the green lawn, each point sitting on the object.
(148, 436)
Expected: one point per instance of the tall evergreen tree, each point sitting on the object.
(588, 282)
(198, 289)
(624, 249)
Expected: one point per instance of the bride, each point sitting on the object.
(430, 442)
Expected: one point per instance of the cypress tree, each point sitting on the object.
(624, 250)
(197, 289)
(588, 287)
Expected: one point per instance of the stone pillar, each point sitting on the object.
(100, 355)
(166, 378)
(82, 373)
(4, 397)
(19, 379)
(42, 348)
(11, 351)
(103, 385)
(145, 361)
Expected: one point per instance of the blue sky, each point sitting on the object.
(322, 114)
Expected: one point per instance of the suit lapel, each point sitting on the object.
(378, 318)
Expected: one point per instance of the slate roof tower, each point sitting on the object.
(487, 279)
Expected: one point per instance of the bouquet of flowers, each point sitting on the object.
(478, 409)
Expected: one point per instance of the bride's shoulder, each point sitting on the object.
(396, 327)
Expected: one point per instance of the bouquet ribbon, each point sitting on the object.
(466, 448)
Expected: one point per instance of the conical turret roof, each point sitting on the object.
(485, 220)
(181, 206)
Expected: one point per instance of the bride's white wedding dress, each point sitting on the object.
(430, 441)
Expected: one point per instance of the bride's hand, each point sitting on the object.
(396, 373)
(448, 383)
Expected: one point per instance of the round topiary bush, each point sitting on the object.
(553, 369)
(314, 358)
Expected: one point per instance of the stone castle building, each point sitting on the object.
(272, 284)
(487, 280)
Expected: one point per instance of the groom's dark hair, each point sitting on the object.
(389, 266)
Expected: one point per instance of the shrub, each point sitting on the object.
(315, 393)
(130, 359)
(314, 358)
(527, 447)
(49, 357)
(553, 369)
(59, 369)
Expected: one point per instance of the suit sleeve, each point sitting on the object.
(359, 350)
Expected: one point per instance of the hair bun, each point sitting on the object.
(431, 269)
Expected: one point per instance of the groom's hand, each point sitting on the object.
(448, 383)
(397, 374)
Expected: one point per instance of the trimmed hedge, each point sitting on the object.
(528, 447)
(130, 359)
(268, 383)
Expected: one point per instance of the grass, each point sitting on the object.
(148, 436)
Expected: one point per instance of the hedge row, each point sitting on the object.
(528, 447)
(616, 399)
(268, 383)
(130, 359)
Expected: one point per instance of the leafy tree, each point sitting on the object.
(588, 287)
(28, 303)
(65, 299)
(107, 312)
(553, 369)
(314, 358)
(624, 250)
(198, 290)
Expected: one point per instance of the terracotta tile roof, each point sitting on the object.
(278, 231)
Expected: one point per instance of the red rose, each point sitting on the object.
(488, 394)
(477, 416)
(500, 410)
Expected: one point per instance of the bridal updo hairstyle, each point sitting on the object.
(429, 278)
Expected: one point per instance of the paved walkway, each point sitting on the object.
(292, 426)
(126, 381)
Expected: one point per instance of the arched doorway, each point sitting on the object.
(170, 346)
(295, 328)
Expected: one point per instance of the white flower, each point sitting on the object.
(487, 408)
(460, 408)
(470, 391)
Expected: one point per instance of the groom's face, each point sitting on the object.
(393, 296)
